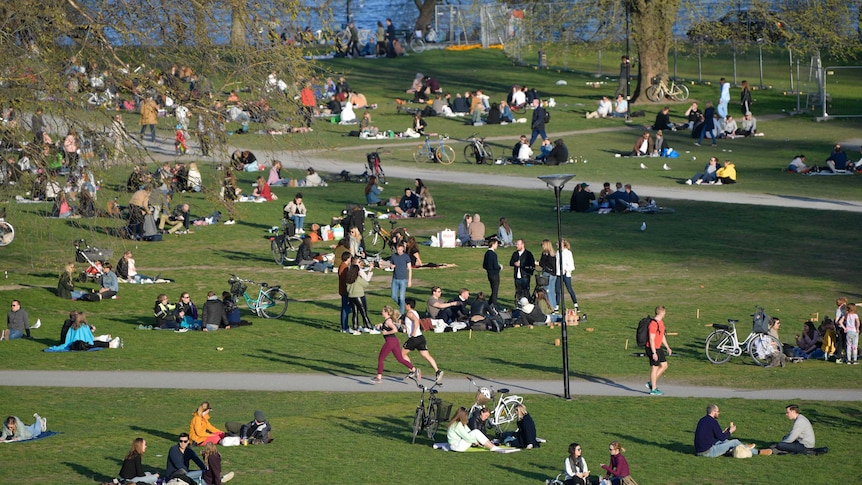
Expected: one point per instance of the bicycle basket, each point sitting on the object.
(484, 396)
(444, 411)
(237, 288)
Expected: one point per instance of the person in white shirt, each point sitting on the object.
(621, 107)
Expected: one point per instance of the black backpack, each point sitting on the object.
(642, 334)
(547, 116)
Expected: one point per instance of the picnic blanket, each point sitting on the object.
(435, 266)
(827, 172)
(472, 449)
(42, 435)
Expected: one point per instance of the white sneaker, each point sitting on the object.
(115, 343)
(182, 330)
(229, 222)
(228, 477)
(688, 182)
(374, 332)
(699, 181)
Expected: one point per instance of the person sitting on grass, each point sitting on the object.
(525, 436)
(409, 204)
(711, 441)
(262, 190)
(797, 165)
(643, 146)
(708, 176)
(132, 470)
(727, 173)
(165, 313)
(461, 438)
(800, 440)
(179, 457)
(200, 430)
(15, 430)
(213, 315)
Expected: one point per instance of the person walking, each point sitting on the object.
(402, 275)
(656, 355)
(723, 98)
(492, 266)
(149, 118)
(538, 121)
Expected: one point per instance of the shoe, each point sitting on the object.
(37, 324)
(364, 329)
(715, 144)
(373, 332)
(855, 362)
(356, 332)
(696, 144)
(656, 392)
(43, 423)
(182, 330)
(648, 385)
(698, 181)
(718, 182)
(115, 343)
(229, 222)
(377, 380)
(414, 374)
(765, 452)
(438, 377)
(688, 181)
(228, 477)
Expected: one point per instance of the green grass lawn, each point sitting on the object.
(715, 261)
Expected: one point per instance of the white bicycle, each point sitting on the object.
(503, 416)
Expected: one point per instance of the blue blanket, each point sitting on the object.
(44, 434)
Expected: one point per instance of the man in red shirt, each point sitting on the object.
(656, 355)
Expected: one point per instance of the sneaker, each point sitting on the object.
(376, 380)
(648, 385)
(698, 181)
(715, 144)
(372, 331)
(228, 477)
(718, 182)
(182, 330)
(356, 332)
(43, 423)
(765, 452)
(413, 374)
(696, 144)
(438, 377)
(365, 330)
(656, 392)
(688, 181)
(229, 222)
(115, 343)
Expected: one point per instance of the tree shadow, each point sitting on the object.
(155, 433)
(88, 472)
(323, 366)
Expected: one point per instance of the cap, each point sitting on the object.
(258, 416)
(523, 301)
(585, 185)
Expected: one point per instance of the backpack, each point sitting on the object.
(642, 334)
(547, 116)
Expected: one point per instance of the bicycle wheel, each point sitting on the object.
(488, 156)
(471, 154)
(433, 422)
(762, 347)
(417, 45)
(420, 155)
(445, 155)
(277, 254)
(718, 347)
(417, 423)
(654, 94)
(273, 303)
(680, 92)
(519, 109)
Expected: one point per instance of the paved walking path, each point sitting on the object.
(597, 386)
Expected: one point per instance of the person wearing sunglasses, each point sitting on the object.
(179, 457)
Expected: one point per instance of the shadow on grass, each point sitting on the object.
(156, 433)
(553, 370)
(87, 472)
(392, 429)
(318, 365)
(676, 447)
(528, 476)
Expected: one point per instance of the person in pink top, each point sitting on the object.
(851, 329)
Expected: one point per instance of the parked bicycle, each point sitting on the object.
(416, 41)
(429, 418)
(442, 153)
(503, 416)
(660, 90)
(387, 239)
(281, 242)
(271, 301)
(478, 151)
(723, 343)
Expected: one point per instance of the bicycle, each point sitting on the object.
(374, 167)
(271, 301)
(723, 343)
(442, 153)
(417, 42)
(477, 151)
(503, 416)
(283, 250)
(388, 239)
(429, 419)
(660, 90)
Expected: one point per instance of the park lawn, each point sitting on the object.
(359, 437)
(715, 261)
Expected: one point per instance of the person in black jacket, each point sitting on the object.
(559, 154)
(491, 265)
(525, 437)
(538, 123)
(524, 263)
(213, 315)
(132, 470)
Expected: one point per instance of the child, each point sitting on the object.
(391, 344)
(576, 467)
(180, 146)
(851, 329)
(416, 341)
(619, 467)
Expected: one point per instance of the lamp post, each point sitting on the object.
(558, 181)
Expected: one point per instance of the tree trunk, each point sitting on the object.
(426, 14)
(652, 24)
(238, 27)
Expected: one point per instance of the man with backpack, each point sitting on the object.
(538, 122)
(656, 355)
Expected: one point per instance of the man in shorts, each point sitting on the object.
(656, 355)
(416, 341)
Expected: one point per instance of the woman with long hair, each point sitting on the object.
(391, 345)
(132, 470)
(200, 429)
(427, 206)
(464, 229)
(357, 280)
(274, 179)
(525, 437)
(412, 250)
(461, 438)
(262, 190)
(568, 266)
(66, 284)
(548, 263)
(577, 472)
(373, 191)
(194, 181)
(212, 459)
(504, 233)
(619, 466)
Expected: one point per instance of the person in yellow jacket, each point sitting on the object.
(727, 173)
(201, 431)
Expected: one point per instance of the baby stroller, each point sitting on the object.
(93, 257)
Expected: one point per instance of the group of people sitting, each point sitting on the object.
(467, 430)
(836, 162)
(550, 153)
(182, 316)
(618, 199)
(714, 175)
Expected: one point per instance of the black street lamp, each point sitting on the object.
(558, 181)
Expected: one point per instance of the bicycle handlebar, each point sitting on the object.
(243, 280)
